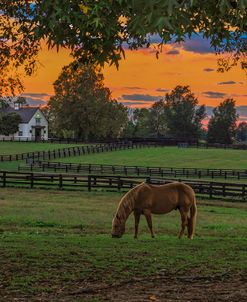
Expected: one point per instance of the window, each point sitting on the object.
(20, 133)
(37, 120)
(30, 131)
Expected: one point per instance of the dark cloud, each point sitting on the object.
(154, 38)
(36, 99)
(227, 83)
(242, 110)
(140, 97)
(197, 44)
(208, 69)
(133, 103)
(162, 90)
(173, 52)
(35, 102)
(134, 88)
(209, 110)
(214, 94)
(35, 95)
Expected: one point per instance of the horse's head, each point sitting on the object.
(118, 228)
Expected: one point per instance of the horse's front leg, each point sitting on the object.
(137, 220)
(148, 216)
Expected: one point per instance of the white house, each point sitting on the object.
(34, 125)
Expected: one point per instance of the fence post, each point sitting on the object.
(243, 192)
(31, 181)
(211, 190)
(4, 179)
(89, 183)
(119, 183)
(60, 181)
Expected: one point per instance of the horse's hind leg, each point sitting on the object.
(148, 216)
(137, 220)
(189, 227)
(184, 221)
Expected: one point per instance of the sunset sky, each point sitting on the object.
(142, 79)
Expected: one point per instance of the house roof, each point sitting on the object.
(26, 113)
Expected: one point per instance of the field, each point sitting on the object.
(23, 147)
(159, 157)
(169, 157)
(7, 148)
(56, 246)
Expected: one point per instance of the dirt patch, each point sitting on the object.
(164, 288)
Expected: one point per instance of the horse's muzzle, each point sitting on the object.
(115, 236)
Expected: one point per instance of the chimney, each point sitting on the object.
(17, 105)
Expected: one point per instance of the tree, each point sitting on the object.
(183, 115)
(4, 103)
(9, 123)
(222, 125)
(141, 122)
(98, 31)
(83, 105)
(158, 119)
(241, 132)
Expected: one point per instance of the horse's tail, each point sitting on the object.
(192, 219)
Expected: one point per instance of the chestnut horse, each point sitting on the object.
(150, 199)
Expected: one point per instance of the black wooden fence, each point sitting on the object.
(135, 170)
(67, 152)
(111, 182)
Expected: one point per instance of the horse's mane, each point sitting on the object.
(126, 204)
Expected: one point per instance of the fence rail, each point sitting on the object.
(113, 182)
(135, 170)
(67, 152)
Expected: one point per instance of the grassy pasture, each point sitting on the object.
(54, 242)
(7, 148)
(169, 157)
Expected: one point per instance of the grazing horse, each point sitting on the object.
(150, 199)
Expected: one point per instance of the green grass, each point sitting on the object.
(169, 157)
(7, 148)
(159, 157)
(56, 240)
(11, 165)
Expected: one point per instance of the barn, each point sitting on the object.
(33, 126)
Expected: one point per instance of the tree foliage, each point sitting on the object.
(98, 31)
(9, 123)
(83, 106)
(177, 115)
(222, 125)
(241, 132)
(158, 119)
(138, 124)
(183, 115)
